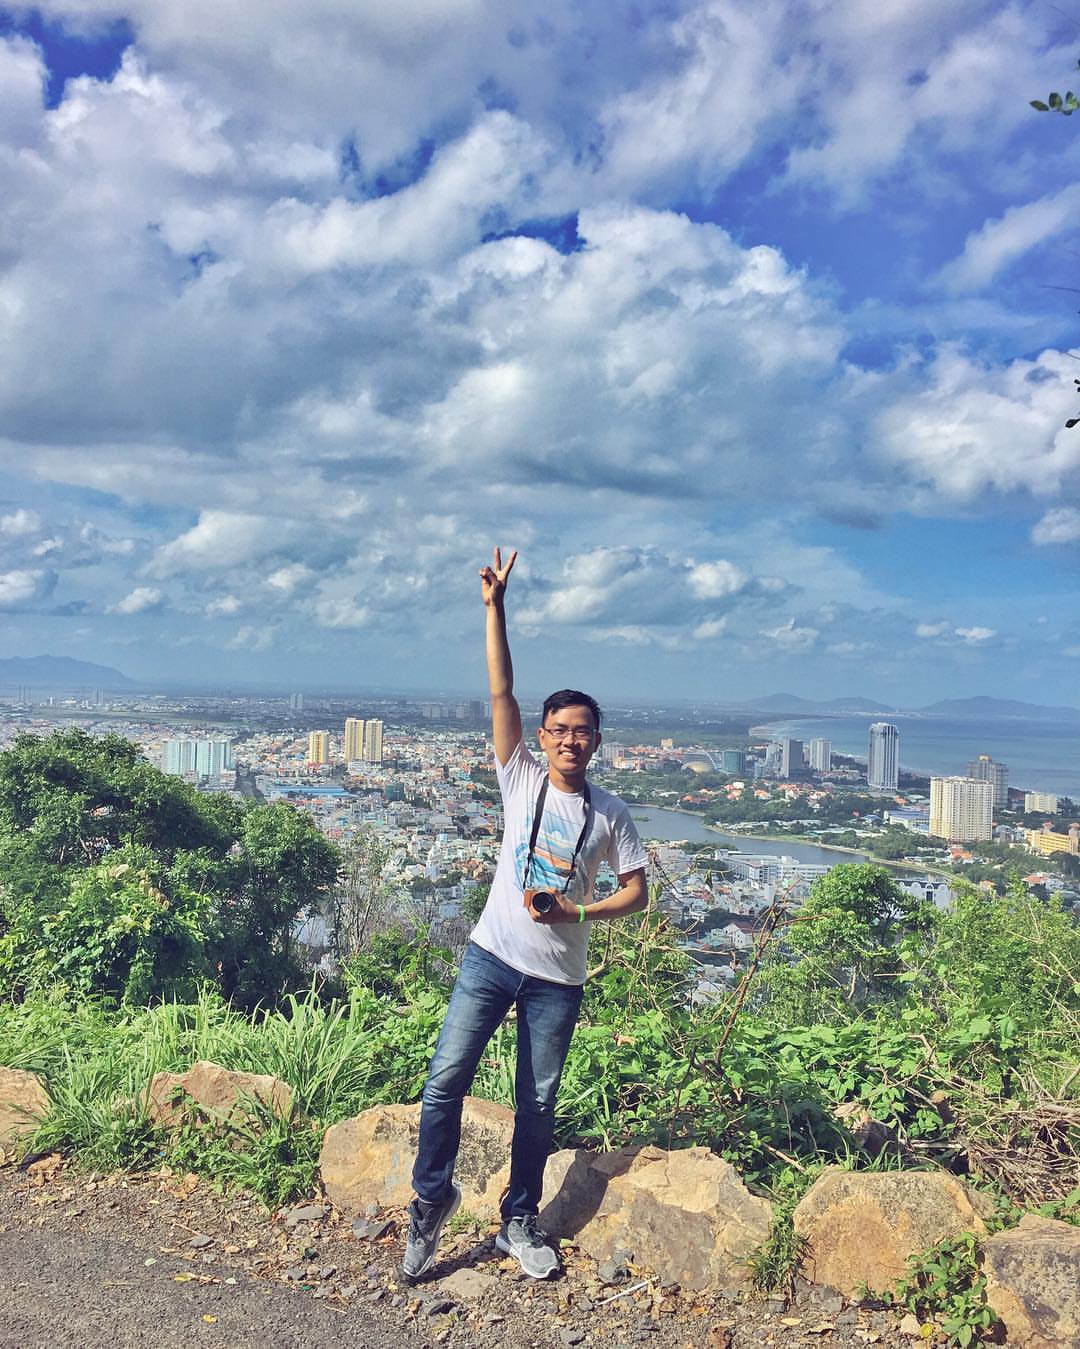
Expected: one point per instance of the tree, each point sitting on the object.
(360, 905)
(841, 949)
(148, 882)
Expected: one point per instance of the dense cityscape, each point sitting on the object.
(734, 814)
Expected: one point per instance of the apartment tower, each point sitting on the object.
(883, 757)
(354, 739)
(373, 741)
(962, 810)
(984, 769)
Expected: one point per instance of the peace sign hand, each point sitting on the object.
(493, 579)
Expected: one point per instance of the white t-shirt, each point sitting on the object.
(506, 929)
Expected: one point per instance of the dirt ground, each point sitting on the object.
(162, 1260)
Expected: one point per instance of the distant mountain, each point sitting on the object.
(790, 702)
(854, 705)
(60, 672)
(782, 702)
(999, 707)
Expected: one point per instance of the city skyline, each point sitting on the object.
(768, 388)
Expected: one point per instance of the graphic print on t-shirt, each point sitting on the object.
(554, 850)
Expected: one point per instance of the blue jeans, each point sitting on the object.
(485, 991)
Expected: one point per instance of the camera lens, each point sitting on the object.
(543, 901)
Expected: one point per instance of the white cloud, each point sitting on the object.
(1059, 525)
(971, 636)
(251, 637)
(973, 427)
(221, 540)
(341, 613)
(1000, 242)
(20, 523)
(139, 601)
(22, 587)
(287, 579)
(791, 636)
(226, 606)
(715, 580)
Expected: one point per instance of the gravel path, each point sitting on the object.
(161, 1260)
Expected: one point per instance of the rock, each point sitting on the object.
(200, 1240)
(613, 1271)
(909, 1325)
(367, 1230)
(468, 1285)
(23, 1104)
(1033, 1282)
(438, 1307)
(685, 1215)
(369, 1158)
(217, 1091)
(571, 1337)
(860, 1228)
(306, 1213)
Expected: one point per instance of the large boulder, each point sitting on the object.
(684, 1215)
(860, 1227)
(369, 1159)
(23, 1103)
(1033, 1282)
(218, 1092)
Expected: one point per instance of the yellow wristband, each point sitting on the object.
(581, 913)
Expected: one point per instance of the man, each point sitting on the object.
(528, 949)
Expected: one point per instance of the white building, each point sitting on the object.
(961, 810)
(198, 758)
(883, 757)
(820, 754)
(1040, 801)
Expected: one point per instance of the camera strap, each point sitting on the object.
(538, 815)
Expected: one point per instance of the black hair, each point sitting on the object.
(555, 702)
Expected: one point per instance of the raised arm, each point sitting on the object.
(505, 713)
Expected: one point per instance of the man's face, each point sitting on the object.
(569, 738)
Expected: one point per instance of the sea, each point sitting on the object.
(1042, 756)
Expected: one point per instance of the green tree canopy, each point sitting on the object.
(120, 880)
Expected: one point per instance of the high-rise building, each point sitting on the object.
(770, 765)
(791, 758)
(1044, 801)
(883, 757)
(354, 739)
(198, 758)
(373, 741)
(820, 755)
(962, 809)
(318, 747)
(984, 769)
(733, 761)
(296, 702)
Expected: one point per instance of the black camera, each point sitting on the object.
(541, 901)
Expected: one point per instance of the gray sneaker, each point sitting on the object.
(521, 1237)
(426, 1222)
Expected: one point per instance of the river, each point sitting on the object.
(653, 822)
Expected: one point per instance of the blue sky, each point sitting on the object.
(742, 321)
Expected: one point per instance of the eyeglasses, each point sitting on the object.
(580, 735)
